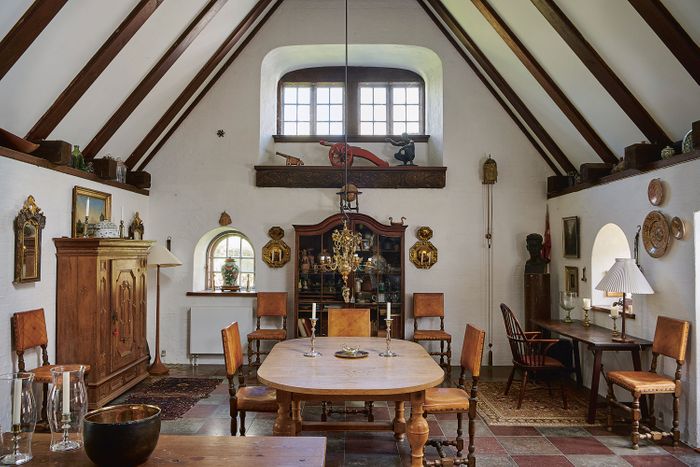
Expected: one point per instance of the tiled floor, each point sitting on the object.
(495, 445)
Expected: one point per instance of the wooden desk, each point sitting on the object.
(375, 378)
(204, 451)
(598, 339)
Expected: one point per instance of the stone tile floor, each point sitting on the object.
(495, 445)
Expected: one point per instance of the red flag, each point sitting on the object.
(547, 244)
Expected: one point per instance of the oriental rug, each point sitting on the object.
(174, 396)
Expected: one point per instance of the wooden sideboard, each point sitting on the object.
(101, 312)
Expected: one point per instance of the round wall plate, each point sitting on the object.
(656, 234)
(677, 228)
(655, 192)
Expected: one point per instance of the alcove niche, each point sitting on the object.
(610, 243)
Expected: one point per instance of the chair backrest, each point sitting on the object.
(349, 322)
(523, 352)
(472, 349)
(428, 305)
(272, 304)
(29, 330)
(671, 337)
(233, 353)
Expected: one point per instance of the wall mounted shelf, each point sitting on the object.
(307, 176)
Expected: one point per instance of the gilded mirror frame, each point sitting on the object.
(30, 213)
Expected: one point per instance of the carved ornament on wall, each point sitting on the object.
(276, 253)
(423, 254)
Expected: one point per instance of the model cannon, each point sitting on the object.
(337, 156)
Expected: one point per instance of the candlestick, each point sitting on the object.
(85, 228)
(586, 318)
(122, 218)
(388, 352)
(121, 229)
(17, 401)
(615, 332)
(312, 352)
(388, 310)
(313, 311)
(66, 393)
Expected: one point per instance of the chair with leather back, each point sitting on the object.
(530, 356)
(243, 398)
(432, 305)
(269, 304)
(457, 400)
(670, 340)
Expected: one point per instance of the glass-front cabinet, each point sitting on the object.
(378, 281)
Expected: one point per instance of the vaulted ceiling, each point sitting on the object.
(581, 79)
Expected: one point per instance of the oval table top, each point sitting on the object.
(286, 368)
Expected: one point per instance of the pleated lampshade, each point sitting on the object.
(624, 276)
(160, 256)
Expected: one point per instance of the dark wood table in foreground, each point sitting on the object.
(205, 451)
(598, 339)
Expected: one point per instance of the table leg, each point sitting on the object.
(577, 362)
(637, 362)
(595, 381)
(296, 415)
(399, 421)
(283, 424)
(417, 429)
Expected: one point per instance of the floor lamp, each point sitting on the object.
(160, 257)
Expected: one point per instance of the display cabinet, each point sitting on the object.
(378, 280)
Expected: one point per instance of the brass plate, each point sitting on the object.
(346, 354)
(656, 234)
(677, 228)
(655, 192)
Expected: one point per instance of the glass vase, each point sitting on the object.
(568, 302)
(67, 407)
(17, 444)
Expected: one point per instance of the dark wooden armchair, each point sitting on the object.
(530, 355)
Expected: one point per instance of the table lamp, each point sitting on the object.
(624, 277)
(160, 257)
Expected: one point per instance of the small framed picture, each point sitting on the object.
(571, 240)
(89, 207)
(571, 278)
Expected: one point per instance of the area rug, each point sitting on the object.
(538, 407)
(174, 396)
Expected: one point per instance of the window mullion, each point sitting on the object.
(312, 111)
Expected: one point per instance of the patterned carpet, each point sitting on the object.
(174, 396)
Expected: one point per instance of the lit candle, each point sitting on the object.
(87, 208)
(586, 303)
(615, 312)
(17, 402)
(66, 393)
(313, 311)
(388, 310)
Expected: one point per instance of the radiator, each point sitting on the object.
(206, 323)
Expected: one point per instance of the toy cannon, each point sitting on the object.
(337, 158)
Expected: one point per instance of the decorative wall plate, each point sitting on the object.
(688, 142)
(655, 192)
(677, 228)
(656, 234)
(276, 252)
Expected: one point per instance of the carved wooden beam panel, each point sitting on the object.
(363, 177)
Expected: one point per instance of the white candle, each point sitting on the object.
(17, 402)
(66, 393)
(586, 303)
(313, 311)
(122, 219)
(615, 312)
(388, 310)
(87, 208)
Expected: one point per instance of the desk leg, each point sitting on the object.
(417, 429)
(595, 381)
(637, 362)
(577, 362)
(283, 424)
(399, 421)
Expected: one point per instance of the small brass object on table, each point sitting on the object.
(586, 318)
(313, 353)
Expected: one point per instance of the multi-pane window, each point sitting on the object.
(405, 109)
(297, 110)
(329, 110)
(231, 244)
(373, 114)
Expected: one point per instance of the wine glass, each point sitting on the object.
(568, 302)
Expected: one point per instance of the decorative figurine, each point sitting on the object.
(136, 228)
(408, 149)
(536, 264)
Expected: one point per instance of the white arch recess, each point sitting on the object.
(610, 243)
(199, 261)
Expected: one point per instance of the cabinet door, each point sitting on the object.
(126, 312)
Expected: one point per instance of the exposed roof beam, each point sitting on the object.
(151, 79)
(92, 70)
(199, 79)
(597, 66)
(209, 85)
(550, 87)
(28, 28)
(468, 44)
(671, 33)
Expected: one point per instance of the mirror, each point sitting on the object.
(28, 226)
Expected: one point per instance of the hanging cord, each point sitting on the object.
(345, 113)
(489, 268)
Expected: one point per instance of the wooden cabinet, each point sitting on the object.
(101, 312)
(380, 278)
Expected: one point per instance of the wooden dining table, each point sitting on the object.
(374, 378)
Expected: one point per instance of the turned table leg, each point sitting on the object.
(399, 421)
(296, 415)
(417, 429)
(283, 424)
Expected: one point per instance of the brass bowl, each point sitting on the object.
(121, 434)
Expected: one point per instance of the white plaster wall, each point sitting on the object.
(197, 175)
(610, 243)
(672, 277)
(53, 194)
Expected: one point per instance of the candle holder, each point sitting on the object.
(23, 413)
(67, 406)
(586, 318)
(313, 352)
(615, 332)
(121, 228)
(388, 352)
(85, 229)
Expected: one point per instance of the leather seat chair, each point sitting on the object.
(432, 305)
(268, 304)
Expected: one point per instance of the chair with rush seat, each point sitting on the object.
(269, 304)
(432, 305)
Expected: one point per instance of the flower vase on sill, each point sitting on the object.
(229, 274)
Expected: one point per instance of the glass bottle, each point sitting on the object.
(67, 406)
(121, 171)
(17, 444)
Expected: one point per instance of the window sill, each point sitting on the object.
(606, 310)
(219, 293)
(339, 139)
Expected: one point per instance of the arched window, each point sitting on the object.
(230, 244)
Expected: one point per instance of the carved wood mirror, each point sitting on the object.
(28, 226)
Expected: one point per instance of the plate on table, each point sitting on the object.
(352, 354)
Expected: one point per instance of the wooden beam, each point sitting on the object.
(151, 79)
(671, 33)
(597, 66)
(26, 30)
(456, 32)
(199, 79)
(550, 87)
(92, 70)
(209, 85)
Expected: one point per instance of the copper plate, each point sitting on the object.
(346, 354)
(655, 192)
(677, 228)
(656, 234)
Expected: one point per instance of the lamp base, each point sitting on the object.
(158, 369)
(622, 339)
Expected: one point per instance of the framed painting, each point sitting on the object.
(571, 238)
(571, 278)
(89, 207)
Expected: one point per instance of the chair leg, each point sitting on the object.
(234, 419)
(250, 355)
(676, 422)
(442, 354)
(257, 353)
(324, 411)
(510, 381)
(563, 392)
(636, 415)
(522, 389)
(652, 417)
(449, 355)
(370, 411)
(459, 440)
(610, 398)
(242, 415)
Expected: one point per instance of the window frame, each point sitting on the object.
(209, 258)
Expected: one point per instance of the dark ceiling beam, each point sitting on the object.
(457, 33)
(209, 85)
(92, 70)
(239, 32)
(550, 87)
(597, 66)
(153, 77)
(662, 22)
(26, 30)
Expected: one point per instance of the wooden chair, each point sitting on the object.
(457, 400)
(432, 305)
(348, 322)
(28, 332)
(670, 340)
(530, 355)
(244, 398)
(269, 304)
